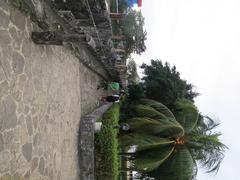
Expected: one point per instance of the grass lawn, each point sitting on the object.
(106, 146)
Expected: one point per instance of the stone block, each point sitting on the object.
(18, 63)
(5, 156)
(4, 5)
(16, 36)
(1, 143)
(8, 117)
(5, 38)
(3, 90)
(4, 19)
(34, 163)
(18, 19)
(27, 151)
(29, 125)
(41, 166)
(5, 177)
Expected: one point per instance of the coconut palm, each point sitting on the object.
(169, 146)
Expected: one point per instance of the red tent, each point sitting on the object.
(139, 3)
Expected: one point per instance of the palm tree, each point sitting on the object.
(169, 146)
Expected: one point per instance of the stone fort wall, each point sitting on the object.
(44, 90)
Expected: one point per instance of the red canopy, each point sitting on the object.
(139, 3)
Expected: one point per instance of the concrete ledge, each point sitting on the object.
(86, 142)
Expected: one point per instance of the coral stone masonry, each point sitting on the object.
(44, 90)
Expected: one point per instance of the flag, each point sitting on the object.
(139, 3)
(132, 2)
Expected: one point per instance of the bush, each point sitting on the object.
(106, 144)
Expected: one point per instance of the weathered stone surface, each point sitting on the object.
(27, 175)
(29, 125)
(26, 110)
(47, 84)
(4, 5)
(20, 108)
(17, 39)
(4, 19)
(5, 38)
(1, 143)
(13, 165)
(18, 19)
(35, 122)
(28, 92)
(50, 174)
(41, 166)
(38, 84)
(4, 161)
(9, 139)
(4, 63)
(2, 75)
(27, 151)
(8, 118)
(18, 63)
(17, 95)
(6, 177)
(3, 88)
(27, 47)
(17, 176)
(34, 163)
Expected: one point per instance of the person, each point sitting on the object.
(124, 127)
(112, 98)
(122, 92)
(114, 86)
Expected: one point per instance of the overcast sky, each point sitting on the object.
(202, 38)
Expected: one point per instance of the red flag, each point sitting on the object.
(139, 3)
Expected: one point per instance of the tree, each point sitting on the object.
(133, 31)
(168, 146)
(132, 75)
(163, 83)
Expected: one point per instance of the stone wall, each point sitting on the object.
(43, 92)
(86, 142)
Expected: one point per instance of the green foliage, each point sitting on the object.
(164, 84)
(135, 35)
(107, 145)
(159, 107)
(132, 75)
(135, 92)
(179, 166)
(158, 127)
(186, 114)
(189, 134)
(150, 160)
(122, 6)
(205, 145)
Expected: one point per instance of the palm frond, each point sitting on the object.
(144, 142)
(207, 150)
(158, 127)
(158, 106)
(186, 114)
(180, 166)
(147, 161)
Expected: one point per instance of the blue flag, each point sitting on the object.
(132, 2)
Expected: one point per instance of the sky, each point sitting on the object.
(202, 38)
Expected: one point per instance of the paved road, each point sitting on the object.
(44, 90)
